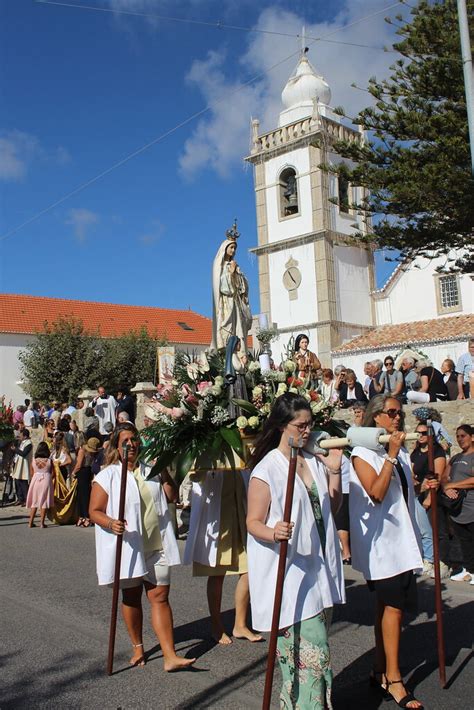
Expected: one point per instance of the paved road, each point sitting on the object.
(54, 629)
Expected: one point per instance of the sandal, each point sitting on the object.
(86, 523)
(140, 661)
(80, 523)
(378, 685)
(408, 698)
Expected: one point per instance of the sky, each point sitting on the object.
(81, 90)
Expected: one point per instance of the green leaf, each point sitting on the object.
(162, 462)
(184, 461)
(246, 406)
(233, 438)
(227, 448)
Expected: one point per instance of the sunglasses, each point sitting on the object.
(423, 432)
(392, 413)
(389, 362)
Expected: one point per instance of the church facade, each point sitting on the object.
(315, 276)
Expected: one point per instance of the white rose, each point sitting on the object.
(216, 390)
(219, 381)
(257, 391)
(293, 390)
(289, 366)
(254, 422)
(242, 422)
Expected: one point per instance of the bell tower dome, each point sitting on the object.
(304, 87)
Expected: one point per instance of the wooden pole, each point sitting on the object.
(434, 525)
(118, 560)
(267, 694)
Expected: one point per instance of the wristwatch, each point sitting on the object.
(391, 459)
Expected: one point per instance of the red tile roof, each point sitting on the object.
(418, 332)
(27, 314)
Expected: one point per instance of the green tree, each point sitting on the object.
(61, 361)
(416, 163)
(64, 359)
(128, 359)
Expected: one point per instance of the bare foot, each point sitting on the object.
(138, 658)
(31, 525)
(43, 525)
(178, 664)
(245, 633)
(221, 637)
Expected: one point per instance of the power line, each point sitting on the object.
(175, 128)
(218, 24)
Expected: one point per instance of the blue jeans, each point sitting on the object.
(425, 529)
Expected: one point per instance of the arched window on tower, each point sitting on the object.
(289, 204)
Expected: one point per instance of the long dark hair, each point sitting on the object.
(113, 455)
(283, 411)
(42, 451)
(298, 340)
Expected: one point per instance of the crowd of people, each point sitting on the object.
(367, 507)
(416, 381)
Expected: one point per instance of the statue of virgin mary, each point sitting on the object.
(230, 295)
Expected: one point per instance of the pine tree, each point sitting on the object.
(416, 161)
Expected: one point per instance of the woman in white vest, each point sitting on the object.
(385, 540)
(314, 579)
(149, 544)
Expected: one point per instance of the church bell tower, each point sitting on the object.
(315, 277)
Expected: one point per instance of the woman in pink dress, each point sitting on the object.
(40, 491)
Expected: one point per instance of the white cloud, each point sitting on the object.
(81, 220)
(221, 139)
(19, 150)
(152, 235)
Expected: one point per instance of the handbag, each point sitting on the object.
(452, 505)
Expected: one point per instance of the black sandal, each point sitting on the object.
(408, 698)
(378, 685)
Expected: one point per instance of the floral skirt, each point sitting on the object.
(303, 654)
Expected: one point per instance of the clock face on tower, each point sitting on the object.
(291, 278)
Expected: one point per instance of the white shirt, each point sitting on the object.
(133, 564)
(204, 524)
(29, 418)
(105, 411)
(385, 539)
(314, 579)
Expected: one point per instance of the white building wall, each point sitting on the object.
(413, 295)
(341, 222)
(353, 285)
(10, 373)
(285, 228)
(436, 353)
(304, 309)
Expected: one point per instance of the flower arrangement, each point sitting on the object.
(6, 422)
(193, 424)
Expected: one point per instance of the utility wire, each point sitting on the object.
(218, 24)
(169, 132)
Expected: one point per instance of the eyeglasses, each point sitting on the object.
(392, 413)
(423, 432)
(302, 427)
(389, 362)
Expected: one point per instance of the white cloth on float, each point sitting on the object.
(204, 524)
(133, 557)
(385, 539)
(314, 578)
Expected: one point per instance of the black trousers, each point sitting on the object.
(449, 548)
(465, 533)
(84, 480)
(21, 490)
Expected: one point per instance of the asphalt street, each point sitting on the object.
(54, 623)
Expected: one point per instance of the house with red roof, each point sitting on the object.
(21, 317)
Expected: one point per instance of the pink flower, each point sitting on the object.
(203, 387)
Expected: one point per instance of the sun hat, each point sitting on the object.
(92, 445)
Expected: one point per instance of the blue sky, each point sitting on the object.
(81, 90)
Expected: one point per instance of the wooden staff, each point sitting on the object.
(267, 694)
(118, 560)
(434, 525)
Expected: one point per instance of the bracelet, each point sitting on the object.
(274, 538)
(334, 471)
(110, 523)
(391, 459)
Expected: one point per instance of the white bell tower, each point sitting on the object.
(314, 276)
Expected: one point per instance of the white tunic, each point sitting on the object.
(133, 558)
(385, 539)
(313, 580)
(204, 524)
